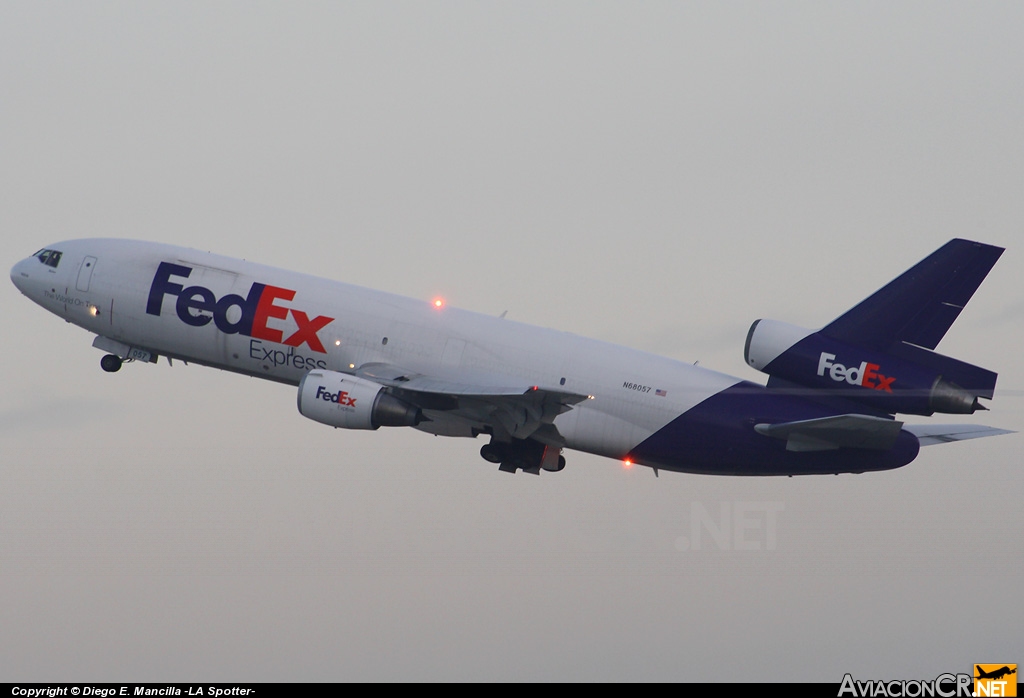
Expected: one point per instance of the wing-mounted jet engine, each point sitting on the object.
(350, 402)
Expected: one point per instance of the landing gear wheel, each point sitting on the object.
(111, 363)
(492, 453)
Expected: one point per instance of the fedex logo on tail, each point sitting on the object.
(866, 375)
(197, 306)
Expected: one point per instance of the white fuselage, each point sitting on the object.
(114, 288)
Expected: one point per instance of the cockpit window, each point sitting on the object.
(50, 258)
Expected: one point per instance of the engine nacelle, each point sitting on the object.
(767, 339)
(905, 379)
(349, 402)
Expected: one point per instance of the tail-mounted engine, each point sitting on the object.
(905, 379)
(349, 402)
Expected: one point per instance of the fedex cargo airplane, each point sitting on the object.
(364, 359)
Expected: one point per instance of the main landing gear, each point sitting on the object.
(111, 363)
(523, 454)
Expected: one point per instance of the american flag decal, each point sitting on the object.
(660, 393)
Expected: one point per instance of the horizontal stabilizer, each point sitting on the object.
(931, 434)
(830, 433)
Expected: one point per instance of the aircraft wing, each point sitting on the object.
(931, 434)
(457, 408)
(830, 433)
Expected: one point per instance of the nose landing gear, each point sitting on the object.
(111, 363)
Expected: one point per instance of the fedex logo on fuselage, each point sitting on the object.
(197, 306)
(866, 375)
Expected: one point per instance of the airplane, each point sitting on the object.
(996, 674)
(365, 359)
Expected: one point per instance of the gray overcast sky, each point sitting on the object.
(654, 174)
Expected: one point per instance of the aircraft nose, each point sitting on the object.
(20, 275)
